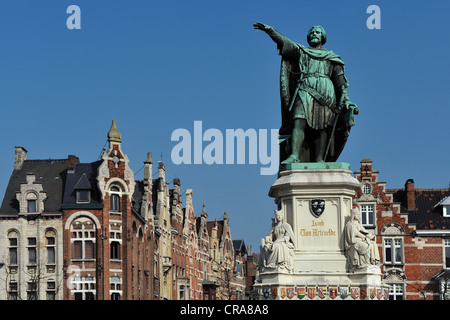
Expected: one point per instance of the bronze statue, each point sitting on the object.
(316, 113)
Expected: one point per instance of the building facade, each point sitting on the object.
(90, 231)
(413, 229)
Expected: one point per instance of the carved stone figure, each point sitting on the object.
(315, 109)
(360, 245)
(277, 249)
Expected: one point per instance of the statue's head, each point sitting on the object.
(314, 38)
(355, 214)
(278, 215)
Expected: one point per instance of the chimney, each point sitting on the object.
(161, 171)
(148, 169)
(19, 157)
(73, 161)
(410, 195)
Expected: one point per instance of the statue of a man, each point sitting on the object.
(360, 244)
(316, 112)
(277, 247)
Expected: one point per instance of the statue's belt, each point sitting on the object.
(315, 74)
(328, 102)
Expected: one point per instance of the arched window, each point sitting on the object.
(31, 202)
(13, 247)
(50, 244)
(83, 238)
(115, 199)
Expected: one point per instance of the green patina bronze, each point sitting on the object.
(316, 113)
(317, 165)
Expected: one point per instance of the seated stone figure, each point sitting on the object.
(277, 249)
(360, 245)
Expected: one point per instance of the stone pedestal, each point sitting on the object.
(316, 200)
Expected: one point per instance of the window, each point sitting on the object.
(367, 188)
(446, 211)
(32, 290)
(32, 260)
(115, 296)
(77, 249)
(83, 288)
(367, 214)
(116, 289)
(50, 245)
(83, 249)
(396, 291)
(51, 290)
(447, 253)
(393, 253)
(31, 206)
(13, 292)
(83, 196)
(115, 203)
(83, 239)
(115, 200)
(12, 249)
(115, 250)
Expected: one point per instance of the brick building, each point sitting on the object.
(90, 231)
(413, 228)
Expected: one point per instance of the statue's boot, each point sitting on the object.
(291, 159)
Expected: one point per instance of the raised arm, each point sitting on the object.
(277, 37)
(286, 47)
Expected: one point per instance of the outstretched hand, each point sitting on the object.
(261, 26)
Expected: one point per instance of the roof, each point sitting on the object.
(428, 214)
(239, 246)
(51, 173)
(82, 177)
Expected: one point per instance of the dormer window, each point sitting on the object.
(31, 206)
(83, 196)
(83, 190)
(31, 202)
(446, 211)
(31, 196)
(445, 204)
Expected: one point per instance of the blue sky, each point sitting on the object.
(155, 66)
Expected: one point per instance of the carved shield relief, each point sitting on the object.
(317, 207)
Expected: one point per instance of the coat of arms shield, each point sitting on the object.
(283, 293)
(344, 293)
(290, 292)
(274, 292)
(312, 292)
(317, 207)
(301, 292)
(333, 292)
(266, 293)
(323, 292)
(355, 293)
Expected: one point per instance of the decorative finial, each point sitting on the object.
(203, 213)
(114, 134)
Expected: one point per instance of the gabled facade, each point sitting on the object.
(31, 246)
(104, 231)
(413, 229)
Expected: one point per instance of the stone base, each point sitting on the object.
(320, 264)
